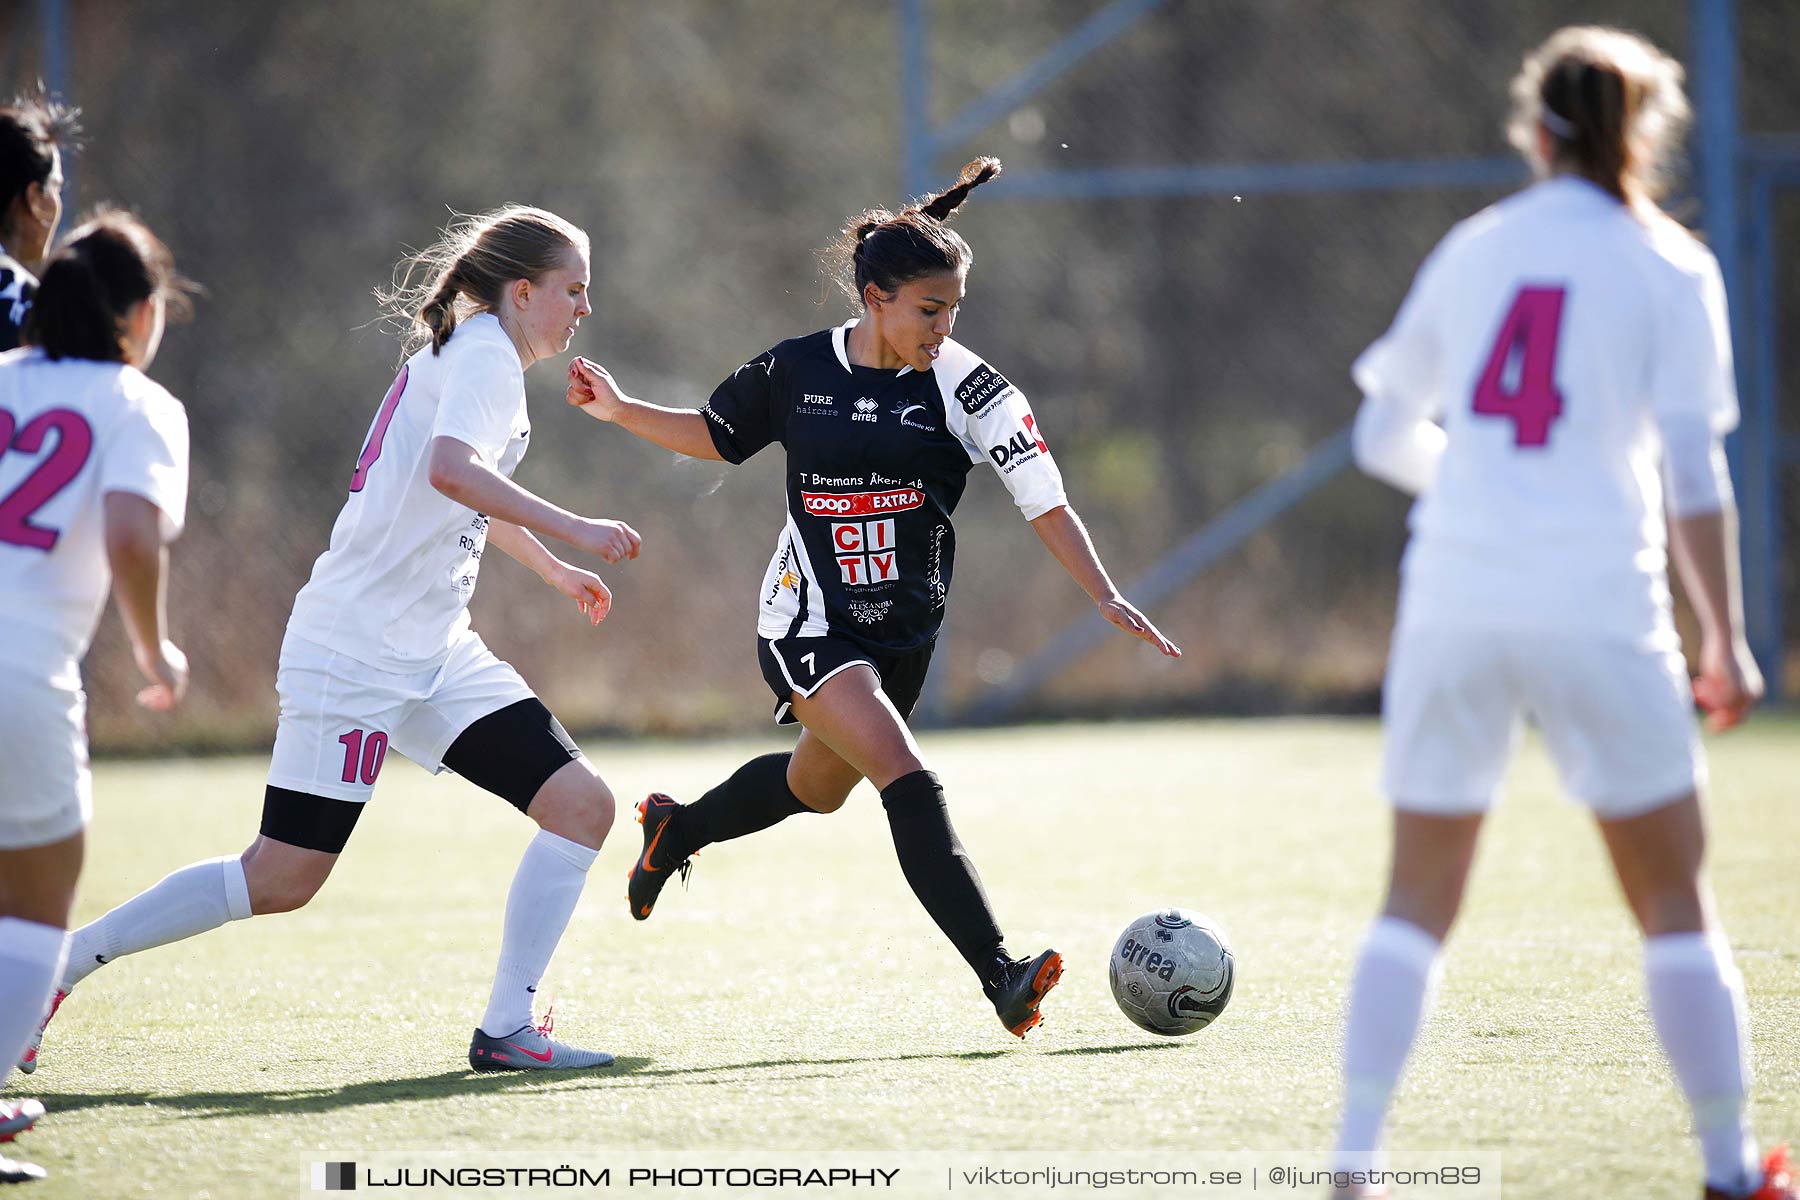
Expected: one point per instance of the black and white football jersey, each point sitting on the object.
(877, 461)
(17, 285)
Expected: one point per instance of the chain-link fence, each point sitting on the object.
(1178, 350)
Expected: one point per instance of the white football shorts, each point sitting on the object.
(1617, 719)
(46, 791)
(338, 716)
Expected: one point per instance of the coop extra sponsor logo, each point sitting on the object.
(861, 504)
(1022, 447)
(1152, 962)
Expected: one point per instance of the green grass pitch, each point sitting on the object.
(798, 998)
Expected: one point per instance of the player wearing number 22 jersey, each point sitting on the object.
(93, 483)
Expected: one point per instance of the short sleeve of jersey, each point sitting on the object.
(146, 455)
(994, 421)
(1405, 365)
(745, 412)
(16, 289)
(480, 398)
(1692, 371)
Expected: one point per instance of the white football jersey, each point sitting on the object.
(71, 431)
(1547, 334)
(393, 589)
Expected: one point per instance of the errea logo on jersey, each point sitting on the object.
(861, 504)
(865, 552)
(1022, 447)
(866, 409)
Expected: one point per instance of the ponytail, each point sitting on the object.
(438, 314)
(1612, 105)
(940, 206)
(891, 250)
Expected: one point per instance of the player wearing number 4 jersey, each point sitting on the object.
(379, 651)
(882, 420)
(93, 482)
(1559, 375)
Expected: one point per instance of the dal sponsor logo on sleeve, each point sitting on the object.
(1022, 447)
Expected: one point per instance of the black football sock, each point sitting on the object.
(755, 797)
(941, 875)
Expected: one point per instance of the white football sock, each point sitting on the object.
(1388, 998)
(199, 897)
(543, 896)
(1697, 1002)
(31, 957)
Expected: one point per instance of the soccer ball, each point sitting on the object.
(1171, 972)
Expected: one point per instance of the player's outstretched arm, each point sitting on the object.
(1067, 538)
(583, 587)
(140, 570)
(458, 472)
(683, 430)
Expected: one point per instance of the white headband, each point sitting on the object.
(1557, 124)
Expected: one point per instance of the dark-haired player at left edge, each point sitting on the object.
(34, 131)
(883, 418)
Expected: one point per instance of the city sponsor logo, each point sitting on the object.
(1022, 447)
(866, 409)
(861, 504)
(865, 552)
(1153, 962)
(981, 389)
(810, 405)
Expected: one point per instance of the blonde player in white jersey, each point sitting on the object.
(379, 650)
(93, 482)
(1559, 374)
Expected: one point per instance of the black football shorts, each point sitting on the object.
(802, 665)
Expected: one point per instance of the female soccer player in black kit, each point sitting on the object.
(883, 418)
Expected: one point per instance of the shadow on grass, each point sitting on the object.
(298, 1100)
(1122, 1048)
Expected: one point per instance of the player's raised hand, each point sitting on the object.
(613, 541)
(1125, 615)
(591, 389)
(1729, 682)
(583, 587)
(166, 667)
